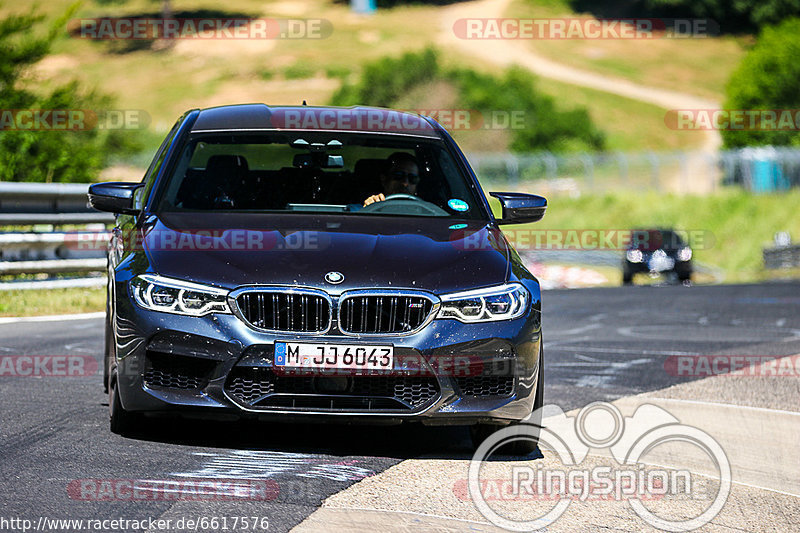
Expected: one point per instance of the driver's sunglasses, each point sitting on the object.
(399, 175)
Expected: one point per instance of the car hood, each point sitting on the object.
(232, 249)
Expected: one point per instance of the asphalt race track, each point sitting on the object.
(600, 344)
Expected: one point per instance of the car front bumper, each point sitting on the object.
(467, 373)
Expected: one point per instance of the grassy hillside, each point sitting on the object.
(166, 82)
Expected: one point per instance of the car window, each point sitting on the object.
(320, 172)
(150, 176)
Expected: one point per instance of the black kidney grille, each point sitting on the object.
(383, 314)
(308, 313)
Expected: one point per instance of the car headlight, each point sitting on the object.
(684, 254)
(484, 305)
(634, 256)
(169, 295)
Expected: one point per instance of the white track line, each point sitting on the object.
(414, 513)
(721, 404)
(51, 318)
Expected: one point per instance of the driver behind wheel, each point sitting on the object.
(401, 176)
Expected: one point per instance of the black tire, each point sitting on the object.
(627, 279)
(519, 447)
(121, 422)
(109, 346)
(107, 355)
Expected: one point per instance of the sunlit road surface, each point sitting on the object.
(612, 345)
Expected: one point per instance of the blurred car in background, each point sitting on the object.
(657, 252)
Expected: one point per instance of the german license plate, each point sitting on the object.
(348, 356)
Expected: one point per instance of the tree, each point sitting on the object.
(766, 79)
(733, 16)
(36, 154)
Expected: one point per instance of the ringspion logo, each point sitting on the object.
(631, 478)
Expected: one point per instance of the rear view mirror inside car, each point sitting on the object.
(318, 160)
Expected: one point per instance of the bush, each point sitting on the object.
(733, 16)
(767, 79)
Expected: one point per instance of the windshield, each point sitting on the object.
(322, 172)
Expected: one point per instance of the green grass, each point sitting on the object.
(298, 71)
(737, 225)
(52, 301)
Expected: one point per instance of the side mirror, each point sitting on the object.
(520, 208)
(114, 196)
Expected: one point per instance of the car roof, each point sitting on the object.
(258, 117)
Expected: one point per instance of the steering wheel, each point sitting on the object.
(404, 204)
(403, 196)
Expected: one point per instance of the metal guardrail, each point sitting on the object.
(43, 246)
(782, 257)
(51, 252)
(53, 266)
(26, 204)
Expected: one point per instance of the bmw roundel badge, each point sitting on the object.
(334, 277)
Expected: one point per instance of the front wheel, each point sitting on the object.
(121, 421)
(532, 424)
(519, 447)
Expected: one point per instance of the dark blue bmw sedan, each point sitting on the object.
(318, 264)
